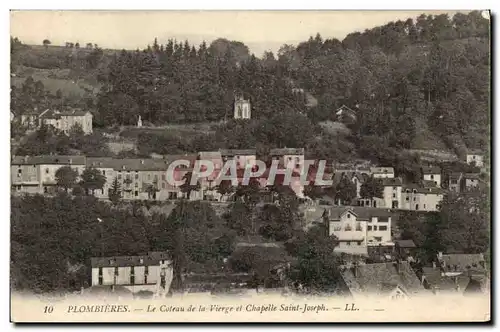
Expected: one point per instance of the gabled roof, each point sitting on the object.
(209, 155)
(428, 184)
(422, 190)
(286, 151)
(152, 258)
(471, 176)
(48, 160)
(435, 280)
(362, 213)
(378, 278)
(431, 170)
(391, 182)
(405, 243)
(475, 152)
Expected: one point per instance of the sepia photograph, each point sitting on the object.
(250, 166)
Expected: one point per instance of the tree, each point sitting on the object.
(225, 188)
(66, 177)
(46, 43)
(187, 188)
(89, 46)
(371, 188)
(77, 45)
(317, 265)
(115, 191)
(345, 191)
(92, 179)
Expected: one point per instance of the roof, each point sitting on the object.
(405, 243)
(455, 175)
(234, 152)
(431, 170)
(434, 279)
(422, 190)
(287, 151)
(362, 213)
(129, 164)
(378, 278)
(209, 155)
(152, 258)
(475, 151)
(463, 262)
(55, 114)
(428, 184)
(382, 170)
(472, 176)
(389, 182)
(49, 160)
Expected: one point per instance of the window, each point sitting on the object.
(394, 195)
(348, 243)
(416, 207)
(163, 177)
(103, 172)
(100, 276)
(369, 228)
(136, 193)
(374, 228)
(394, 188)
(348, 228)
(136, 176)
(432, 177)
(119, 176)
(358, 226)
(116, 270)
(163, 185)
(46, 171)
(359, 243)
(149, 176)
(407, 198)
(424, 206)
(473, 157)
(453, 181)
(136, 185)
(156, 178)
(414, 199)
(20, 171)
(382, 228)
(146, 270)
(348, 215)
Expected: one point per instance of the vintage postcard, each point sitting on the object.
(250, 166)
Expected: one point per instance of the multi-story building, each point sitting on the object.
(242, 109)
(60, 120)
(392, 188)
(357, 228)
(66, 120)
(382, 172)
(242, 158)
(417, 198)
(455, 181)
(151, 272)
(432, 173)
(475, 156)
(37, 174)
(289, 157)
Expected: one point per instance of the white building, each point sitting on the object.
(432, 173)
(417, 198)
(242, 158)
(475, 156)
(391, 195)
(152, 272)
(357, 228)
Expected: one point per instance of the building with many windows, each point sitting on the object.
(151, 272)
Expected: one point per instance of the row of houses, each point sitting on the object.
(136, 177)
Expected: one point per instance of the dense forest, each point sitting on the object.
(435, 69)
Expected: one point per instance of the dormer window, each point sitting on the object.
(349, 215)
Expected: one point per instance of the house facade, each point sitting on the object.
(65, 121)
(151, 272)
(37, 174)
(291, 158)
(475, 156)
(358, 228)
(416, 198)
(432, 173)
(455, 181)
(382, 172)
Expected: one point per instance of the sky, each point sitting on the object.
(259, 30)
